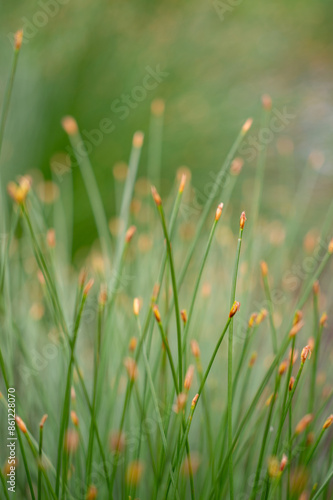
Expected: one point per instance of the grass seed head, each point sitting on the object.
(131, 368)
(189, 378)
(283, 463)
(252, 319)
(261, 316)
(316, 287)
(266, 102)
(74, 418)
(132, 344)
(247, 125)
(235, 307)
(71, 440)
(303, 423)
(180, 402)
(156, 197)
(195, 349)
(88, 287)
(242, 220)
(330, 246)
(117, 442)
(136, 306)
(43, 420)
(194, 401)
(138, 139)
(253, 359)
(130, 233)
(103, 295)
(20, 424)
(306, 353)
(182, 183)
(51, 238)
(296, 328)
(323, 319)
(92, 493)
(69, 125)
(157, 314)
(328, 422)
(134, 472)
(183, 315)
(218, 212)
(18, 38)
(82, 277)
(236, 166)
(282, 368)
(157, 107)
(291, 383)
(264, 268)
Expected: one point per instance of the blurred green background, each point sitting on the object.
(220, 57)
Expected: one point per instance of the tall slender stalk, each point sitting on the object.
(230, 355)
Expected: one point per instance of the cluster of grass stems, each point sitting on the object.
(249, 448)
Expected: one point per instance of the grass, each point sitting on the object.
(139, 398)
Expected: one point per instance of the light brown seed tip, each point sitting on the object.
(264, 268)
(291, 383)
(43, 420)
(282, 368)
(91, 493)
(195, 349)
(132, 344)
(303, 423)
(182, 183)
(330, 246)
(316, 287)
(323, 319)
(306, 353)
(18, 38)
(252, 319)
(156, 197)
(235, 307)
(253, 359)
(180, 402)
(247, 125)
(194, 401)
(103, 295)
(261, 316)
(51, 238)
(296, 328)
(74, 418)
(183, 315)
(20, 424)
(236, 166)
(157, 107)
(218, 212)
(266, 101)
(242, 220)
(131, 368)
(189, 378)
(138, 139)
(328, 422)
(136, 306)
(156, 312)
(69, 125)
(283, 463)
(88, 287)
(130, 233)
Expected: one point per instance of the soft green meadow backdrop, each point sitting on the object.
(220, 58)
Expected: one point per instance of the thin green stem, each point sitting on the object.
(230, 356)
